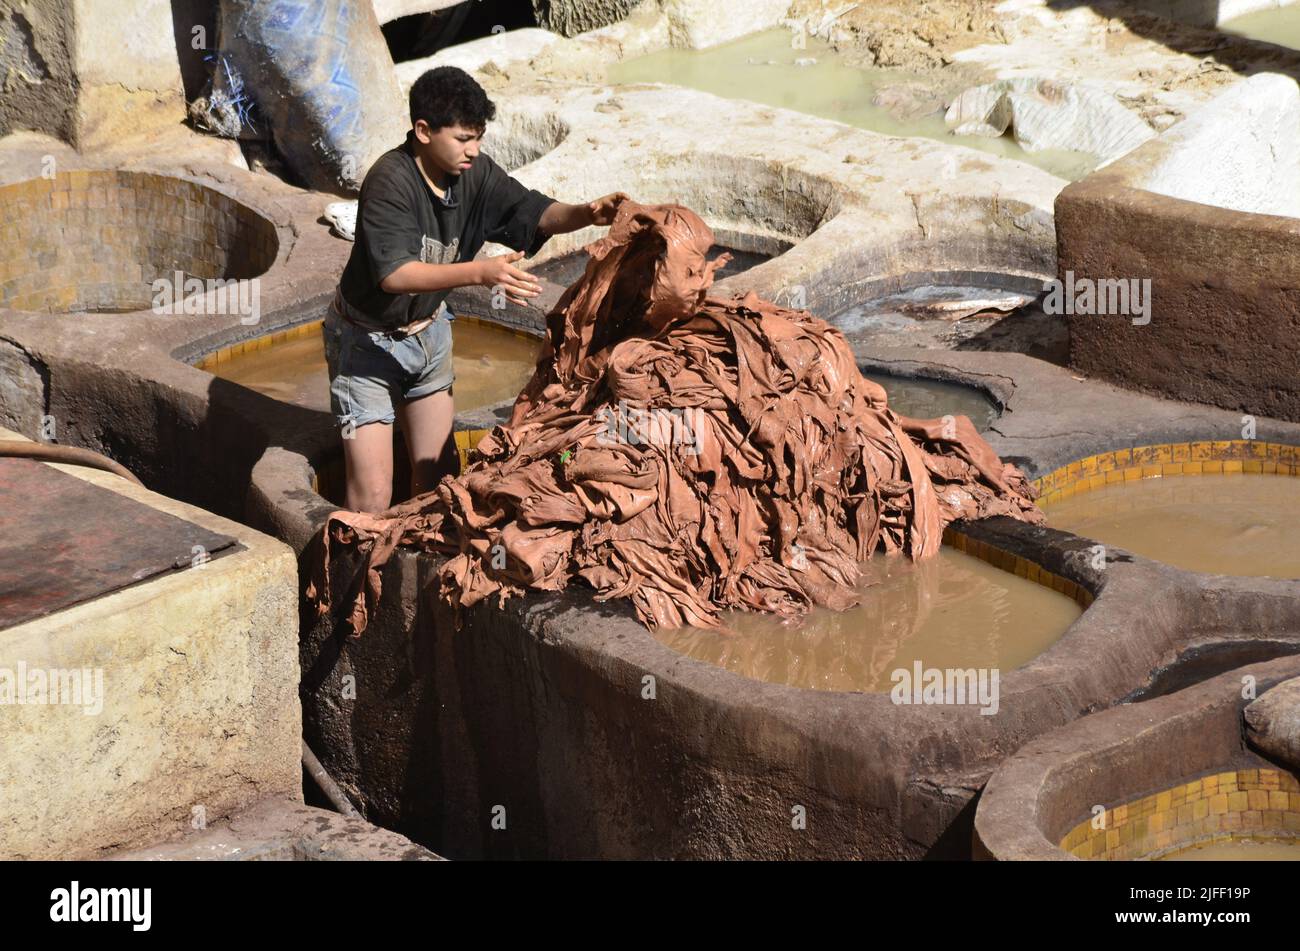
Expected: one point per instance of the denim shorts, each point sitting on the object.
(371, 373)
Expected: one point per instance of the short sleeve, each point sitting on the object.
(512, 212)
(388, 226)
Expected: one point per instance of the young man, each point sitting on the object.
(426, 209)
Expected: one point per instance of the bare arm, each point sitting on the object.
(559, 218)
(414, 277)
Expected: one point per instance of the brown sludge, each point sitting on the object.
(758, 470)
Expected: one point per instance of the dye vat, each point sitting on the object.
(1239, 849)
(955, 310)
(567, 268)
(953, 611)
(97, 241)
(1279, 25)
(492, 364)
(1238, 814)
(765, 68)
(1235, 524)
(928, 399)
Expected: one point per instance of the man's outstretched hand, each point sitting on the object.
(604, 209)
(500, 271)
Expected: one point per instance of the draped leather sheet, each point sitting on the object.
(687, 453)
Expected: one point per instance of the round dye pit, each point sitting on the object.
(958, 310)
(766, 68)
(567, 268)
(1210, 515)
(953, 611)
(928, 399)
(97, 241)
(1235, 814)
(492, 365)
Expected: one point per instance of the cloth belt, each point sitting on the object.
(355, 317)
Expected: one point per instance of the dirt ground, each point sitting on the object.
(1156, 66)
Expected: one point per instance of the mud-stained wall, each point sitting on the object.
(39, 91)
(1224, 297)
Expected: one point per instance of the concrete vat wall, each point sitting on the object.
(1225, 283)
(198, 705)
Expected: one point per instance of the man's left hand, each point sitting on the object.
(603, 209)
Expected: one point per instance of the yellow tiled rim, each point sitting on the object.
(1254, 803)
(1018, 566)
(216, 357)
(1168, 459)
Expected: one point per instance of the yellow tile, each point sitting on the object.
(1151, 471)
(1252, 466)
(1105, 462)
(1200, 451)
(1218, 803)
(1212, 467)
(1114, 475)
(1257, 799)
(1096, 481)
(1123, 458)
(1163, 454)
(1192, 468)
(1232, 465)
(1200, 809)
(1180, 452)
(1238, 801)
(1171, 468)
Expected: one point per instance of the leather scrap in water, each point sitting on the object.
(687, 453)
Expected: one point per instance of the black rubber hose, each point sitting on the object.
(22, 449)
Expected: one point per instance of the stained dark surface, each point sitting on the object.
(64, 541)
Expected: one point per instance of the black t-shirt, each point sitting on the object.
(401, 219)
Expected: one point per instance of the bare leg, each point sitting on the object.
(369, 457)
(426, 424)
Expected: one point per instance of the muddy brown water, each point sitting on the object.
(927, 399)
(1219, 524)
(491, 365)
(951, 612)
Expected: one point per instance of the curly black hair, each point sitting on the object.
(450, 96)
